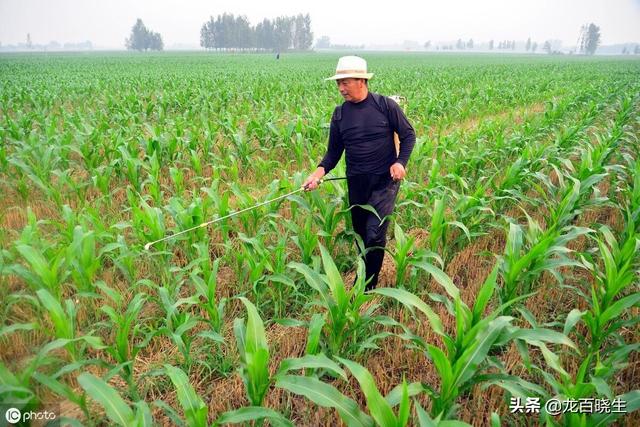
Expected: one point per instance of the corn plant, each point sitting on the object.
(63, 319)
(116, 409)
(152, 183)
(124, 324)
(45, 272)
(131, 167)
(467, 352)
(345, 329)
(280, 289)
(177, 178)
(121, 255)
(380, 408)
(204, 276)
(473, 209)
(83, 259)
(17, 387)
(219, 200)
(328, 215)
(46, 261)
(41, 177)
(565, 386)
(407, 254)
(188, 217)
(305, 237)
(254, 367)
(251, 220)
(195, 410)
(610, 299)
(178, 323)
(254, 354)
(251, 262)
(527, 255)
(148, 222)
(440, 231)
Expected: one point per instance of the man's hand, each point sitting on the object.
(312, 182)
(397, 172)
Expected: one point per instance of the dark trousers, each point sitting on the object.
(380, 192)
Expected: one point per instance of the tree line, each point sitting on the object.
(283, 33)
(227, 31)
(588, 42)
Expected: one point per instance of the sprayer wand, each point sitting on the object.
(208, 223)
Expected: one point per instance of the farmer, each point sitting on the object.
(363, 126)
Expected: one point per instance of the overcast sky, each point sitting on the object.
(107, 23)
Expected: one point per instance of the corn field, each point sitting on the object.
(511, 273)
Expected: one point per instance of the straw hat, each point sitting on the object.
(351, 67)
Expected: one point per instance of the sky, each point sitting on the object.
(107, 23)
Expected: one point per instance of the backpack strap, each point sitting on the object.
(383, 106)
(337, 113)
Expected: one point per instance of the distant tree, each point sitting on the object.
(139, 37)
(470, 44)
(636, 50)
(589, 38)
(29, 42)
(307, 39)
(243, 33)
(513, 44)
(427, 44)
(223, 31)
(624, 50)
(528, 45)
(155, 41)
(207, 39)
(143, 39)
(264, 35)
(323, 42)
(534, 46)
(490, 44)
(283, 33)
(547, 46)
(459, 44)
(302, 35)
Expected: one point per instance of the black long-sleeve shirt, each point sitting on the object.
(365, 134)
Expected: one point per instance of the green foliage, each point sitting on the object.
(101, 154)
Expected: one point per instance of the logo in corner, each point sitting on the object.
(12, 415)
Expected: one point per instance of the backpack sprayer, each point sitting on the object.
(400, 100)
